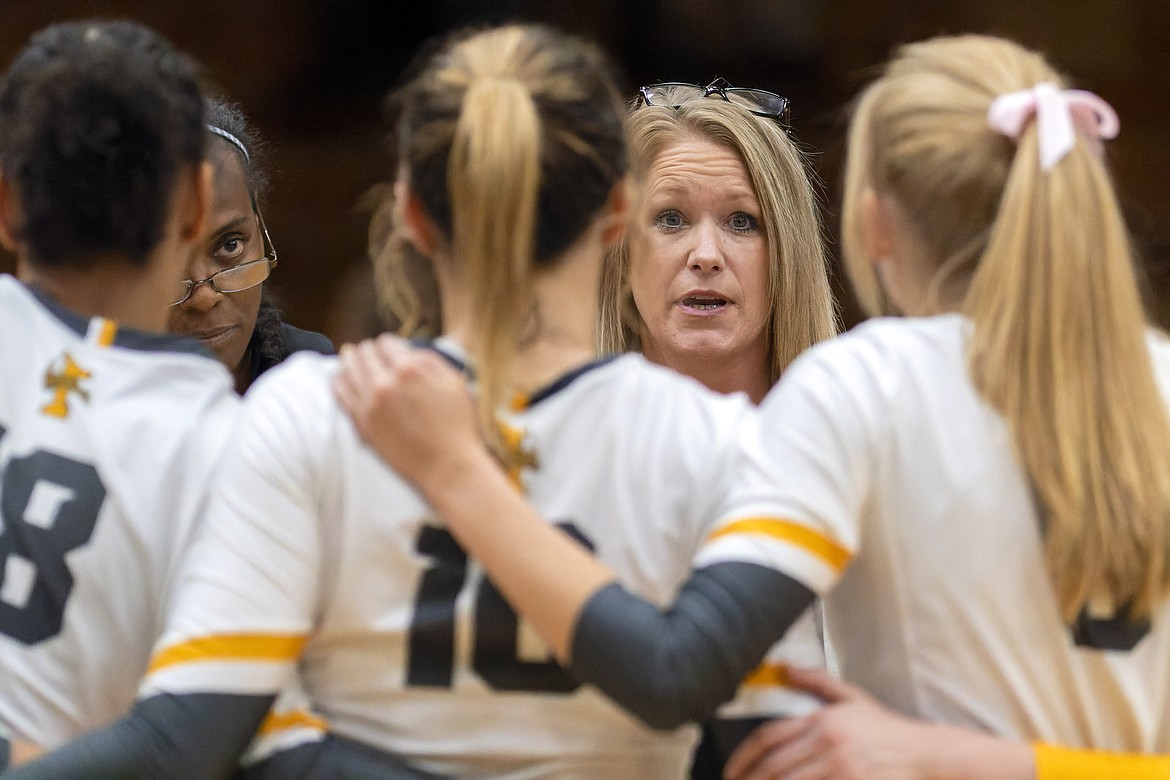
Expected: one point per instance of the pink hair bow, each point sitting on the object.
(1058, 113)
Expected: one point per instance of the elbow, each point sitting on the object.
(672, 702)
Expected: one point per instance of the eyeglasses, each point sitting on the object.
(673, 94)
(239, 277)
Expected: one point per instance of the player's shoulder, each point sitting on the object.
(648, 386)
(307, 374)
(297, 392)
(657, 400)
(889, 350)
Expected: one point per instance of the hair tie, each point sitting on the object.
(224, 134)
(1058, 113)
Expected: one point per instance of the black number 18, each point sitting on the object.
(43, 542)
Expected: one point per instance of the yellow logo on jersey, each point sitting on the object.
(515, 456)
(63, 382)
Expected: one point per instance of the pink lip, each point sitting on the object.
(697, 311)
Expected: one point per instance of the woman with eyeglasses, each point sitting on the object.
(318, 564)
(722, 276)
(985, 482)
(223, 302)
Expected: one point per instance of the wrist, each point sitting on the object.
(458, 474)
(952, 753)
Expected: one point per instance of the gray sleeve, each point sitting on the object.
(5, 748)
(199, 736)
(676, 666)
(334, 758)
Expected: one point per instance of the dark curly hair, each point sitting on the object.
(96, 120)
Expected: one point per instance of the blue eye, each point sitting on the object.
(741, 222)
(669, 220)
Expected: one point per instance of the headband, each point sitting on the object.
(1058, 113)
(232, 140)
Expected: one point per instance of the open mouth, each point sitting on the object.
(704, 302)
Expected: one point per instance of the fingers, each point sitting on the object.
(821, 684)
(367, 373)
(346, 382)
(750, 753)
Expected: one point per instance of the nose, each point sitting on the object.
(203, 298)
(706, 255)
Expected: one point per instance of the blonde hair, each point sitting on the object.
(406, 291)
(513, 142)
(802, 309)
(1059, 343)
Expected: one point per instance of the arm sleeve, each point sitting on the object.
(5, 748)
(679, 665)
(194, 736)
(1054, 762)
(334, 758)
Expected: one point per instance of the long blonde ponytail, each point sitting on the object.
(1060, 344)
(493, 177)
(512, 139)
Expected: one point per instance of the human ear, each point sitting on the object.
(616, 214)
(196, 203)
(10, 217)
(877, 228)
(414, 220)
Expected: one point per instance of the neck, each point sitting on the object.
(112, 289)
(243, 372)
(561, 334)
(723, 373)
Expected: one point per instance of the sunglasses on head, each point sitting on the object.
(673, 94)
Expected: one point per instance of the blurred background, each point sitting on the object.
(312, 75)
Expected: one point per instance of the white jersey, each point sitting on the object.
(107, 441)
(314, 550)
(947, 612)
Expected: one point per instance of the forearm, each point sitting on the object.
(952, 753)
(165, 736)
(498, 527)
(677, 666)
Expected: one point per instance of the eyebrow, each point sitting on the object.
(236, 224)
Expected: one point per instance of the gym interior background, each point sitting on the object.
(312, 75)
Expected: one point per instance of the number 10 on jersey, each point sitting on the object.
(495, 655)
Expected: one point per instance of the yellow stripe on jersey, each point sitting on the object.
(281, 721)
(836, 556)
(231, 647)
(109, 330)
(767, 676)
(1061, 763)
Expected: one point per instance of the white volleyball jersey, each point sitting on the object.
(947, 612)
(314, 550)
(107, 441)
